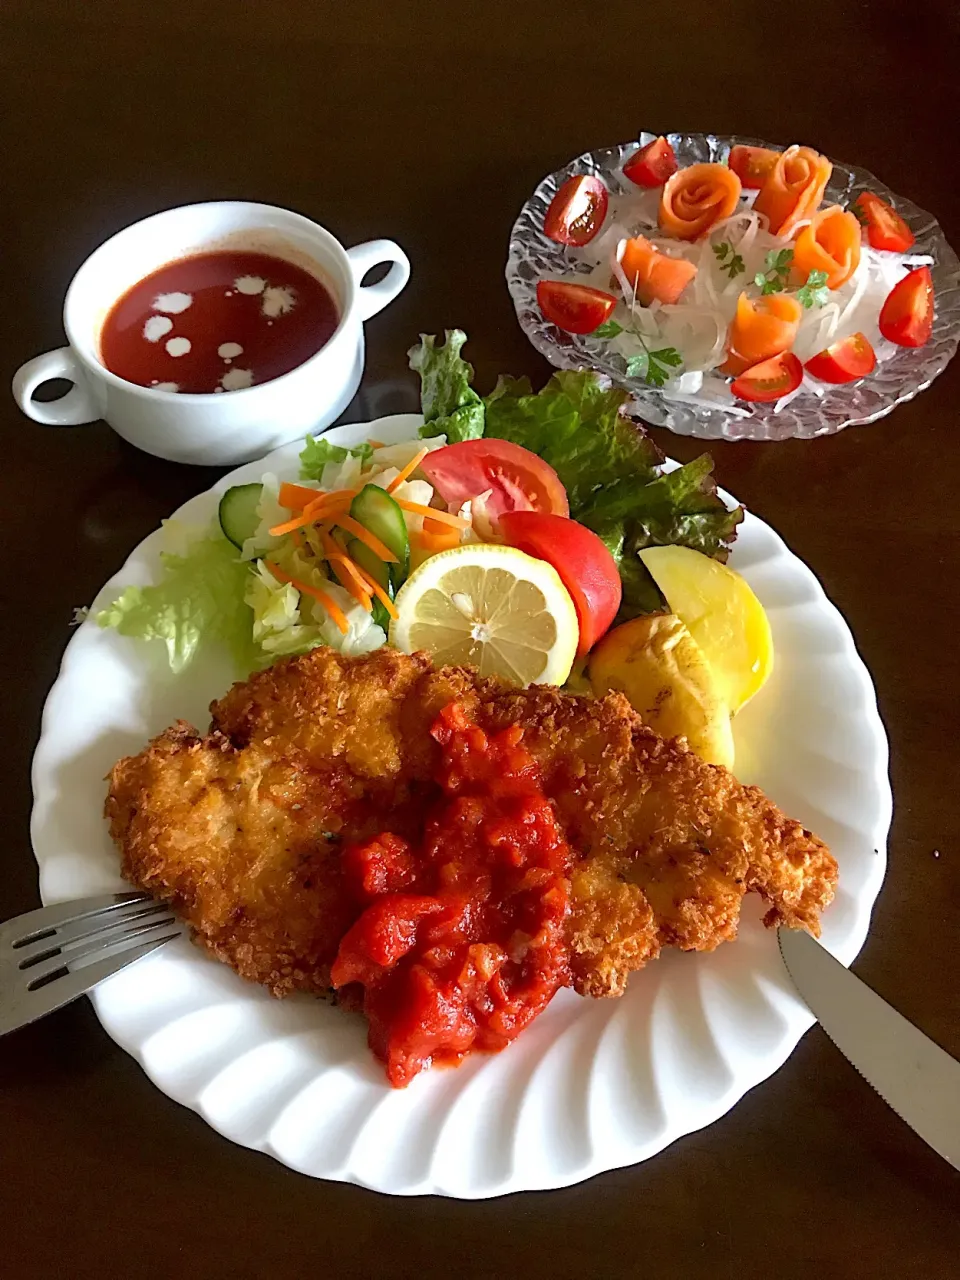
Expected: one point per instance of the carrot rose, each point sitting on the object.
(696, 198)
(652, 274)
(830, 242)
(793, 189)
(762, 328)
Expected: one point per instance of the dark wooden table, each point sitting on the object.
(431, 123)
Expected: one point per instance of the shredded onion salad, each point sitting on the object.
(696, 325)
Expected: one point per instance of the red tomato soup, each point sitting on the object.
(460, 939)
(217, 322)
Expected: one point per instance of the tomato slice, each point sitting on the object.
(770, 379)
(885, 228)
(845, 361)
(577, 211)
(574, 307)
(906, 317)
(517, 479)
(752, 164)
(652, 165)
(586, 567)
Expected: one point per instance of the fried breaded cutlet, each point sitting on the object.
(240, 829)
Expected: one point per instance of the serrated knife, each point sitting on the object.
(913, 1075)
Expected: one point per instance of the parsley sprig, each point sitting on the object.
(814, 292)
(729, 260)
(654, 367)
(774, 278)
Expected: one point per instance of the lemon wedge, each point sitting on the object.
(660, 667)
(722, 614)
(490, 607)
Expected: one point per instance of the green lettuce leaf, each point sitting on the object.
(607, 463)
(450, 405)
(199, 599)
(575, 423)
(317, 452)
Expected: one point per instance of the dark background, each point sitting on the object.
(431, 123)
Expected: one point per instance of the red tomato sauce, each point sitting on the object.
(217, 322)
(460, 944)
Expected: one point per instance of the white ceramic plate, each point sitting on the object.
(593, 1085)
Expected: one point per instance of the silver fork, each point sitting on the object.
(56, 954)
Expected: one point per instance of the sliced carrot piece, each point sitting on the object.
(407, 471)
(655, 276)
(376, 546)
(432, 513)
(761, 328)
(296, 496)
(793, 189)
(830, 242)
(379, 592)
(697, 197)
(331, 606)
(437, 537)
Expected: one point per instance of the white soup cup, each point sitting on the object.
(236, 426)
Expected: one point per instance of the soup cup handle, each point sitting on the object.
(72, 409)
(372, 298)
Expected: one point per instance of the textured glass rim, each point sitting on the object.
(532, 254)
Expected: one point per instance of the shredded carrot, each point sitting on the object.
(326, 505)
(334, 496)
(407, 471)
(375, 444)
(331, 606)
(352, 578)
(378, 591)
(298, 539)
(366, 537)
(296, 496)
(432, 513)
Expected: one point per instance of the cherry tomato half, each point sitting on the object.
(885, 228)
(574, 307)
(770, 379)
(586, 567)
(751, 165)
(845, 361)
(518, 479)
(906, 317)
(652, 165)
(577, 211)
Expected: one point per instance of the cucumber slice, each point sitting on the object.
(380, 572)
(378, 512)
(238, 512)
(370, 563)
(380, 616)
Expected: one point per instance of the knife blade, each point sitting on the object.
(913, 1075)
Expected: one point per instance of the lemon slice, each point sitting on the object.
(722, 614)
(490, 607)
(660, 667)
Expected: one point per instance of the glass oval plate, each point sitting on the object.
(593, 1084)
(533, 255)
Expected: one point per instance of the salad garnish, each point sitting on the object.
(776, 272)
(667, 263)
(731, 264)
(294, 562)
